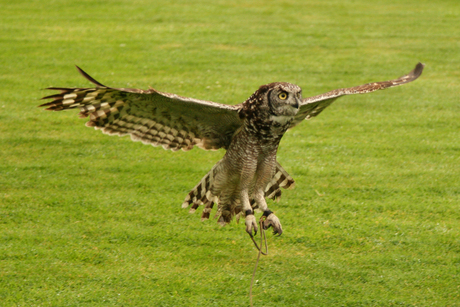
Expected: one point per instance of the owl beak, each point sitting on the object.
(296, 104)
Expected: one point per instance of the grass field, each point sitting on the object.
(92, 220)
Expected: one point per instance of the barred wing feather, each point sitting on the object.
(312, 106)
(150, 116)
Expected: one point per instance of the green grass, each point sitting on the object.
(92, 220)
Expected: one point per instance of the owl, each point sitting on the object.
(250, 132)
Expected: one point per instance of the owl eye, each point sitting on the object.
(282, 95)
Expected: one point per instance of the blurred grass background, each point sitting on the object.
(92, 220)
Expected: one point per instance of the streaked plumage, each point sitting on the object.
(250, 132)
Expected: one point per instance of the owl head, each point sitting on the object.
(273, 100)
(283, 98)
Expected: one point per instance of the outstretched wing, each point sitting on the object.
(150, 116)
(312, 106)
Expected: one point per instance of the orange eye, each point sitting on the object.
(282, 96)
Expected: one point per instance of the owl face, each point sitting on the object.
(284, 99)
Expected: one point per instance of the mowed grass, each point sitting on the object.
(92, 220)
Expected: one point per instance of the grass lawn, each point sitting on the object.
(92, 220)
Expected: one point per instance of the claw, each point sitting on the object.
(251, 224)
(273, 221)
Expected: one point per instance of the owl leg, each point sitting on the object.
(270, 219)
(265, 173)
(250, 219)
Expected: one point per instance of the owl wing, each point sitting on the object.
(150, 116)
(312, 106)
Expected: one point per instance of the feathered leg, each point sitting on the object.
(265, 174)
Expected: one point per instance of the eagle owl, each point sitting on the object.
(248, 174)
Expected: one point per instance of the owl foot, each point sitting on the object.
(271, 220)
(251, 224)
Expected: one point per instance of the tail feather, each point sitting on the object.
(202, 194)
(207, 210)
(281, 179)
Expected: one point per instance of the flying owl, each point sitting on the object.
(248, 174)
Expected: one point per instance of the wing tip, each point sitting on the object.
(417, 72)
(88, 77)
(411, 76)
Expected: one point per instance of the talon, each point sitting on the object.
(273, 221)
(251, 224)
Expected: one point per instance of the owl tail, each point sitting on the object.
(201, 195)
(281, 179)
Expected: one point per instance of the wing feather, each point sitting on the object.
(152, 117)
(312, 106)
